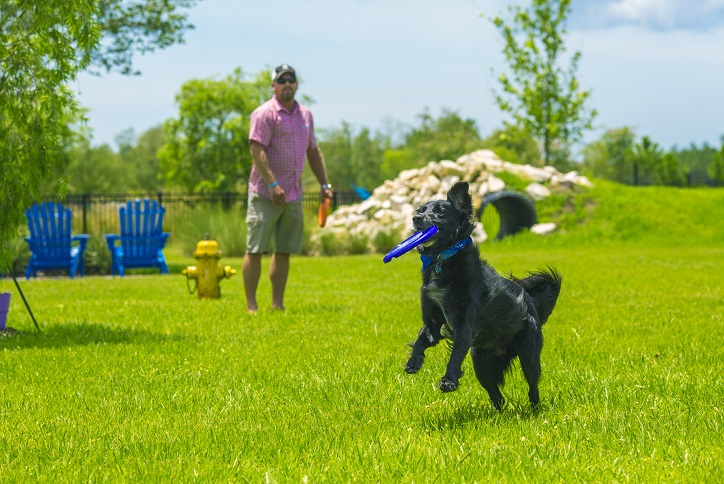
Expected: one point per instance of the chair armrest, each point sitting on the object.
(111, 240)
(31, 243)
(82, 238)
(164, 238)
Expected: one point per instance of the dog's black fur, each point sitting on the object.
(465, 300)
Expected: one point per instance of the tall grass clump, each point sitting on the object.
(97, 257)
(228, 228)
(386, 240)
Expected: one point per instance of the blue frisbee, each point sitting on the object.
(410, 243)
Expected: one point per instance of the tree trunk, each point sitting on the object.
(635, 173)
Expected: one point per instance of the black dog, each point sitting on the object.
(465, 300)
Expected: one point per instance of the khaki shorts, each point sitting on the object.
(284, 226)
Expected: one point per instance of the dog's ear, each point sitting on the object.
(459, 196)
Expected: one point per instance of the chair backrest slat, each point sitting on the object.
(50, 230)
(141, 228)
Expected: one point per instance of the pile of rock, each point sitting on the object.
(392, 205)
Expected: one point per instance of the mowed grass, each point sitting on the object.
(134, 379)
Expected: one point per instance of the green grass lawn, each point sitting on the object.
(134, 379)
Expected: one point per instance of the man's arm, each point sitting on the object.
(316, 163)
(261, 161)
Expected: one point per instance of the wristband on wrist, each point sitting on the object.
(272, 185)
(326, 186)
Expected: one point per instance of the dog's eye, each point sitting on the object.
(439, 210)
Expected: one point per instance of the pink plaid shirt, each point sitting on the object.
(287, 136)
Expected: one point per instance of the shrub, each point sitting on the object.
(228, 228)
(97, 257)
(330, 244)
(385, 241)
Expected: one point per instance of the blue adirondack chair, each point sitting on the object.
(142, 239)
(51, 243)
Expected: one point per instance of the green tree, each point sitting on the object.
(367, 152)
(445, 138)
(610, 156)
(140, 157)
(669, 171)
(43, 45)
(716, 168)
(395, 160)
(96, 169)
(542, 97)
(696, 161)
(646, 155)
(513, 143)
(336, 144)
(137, 26)
(359, 157)
(353, 158)
(207, 146)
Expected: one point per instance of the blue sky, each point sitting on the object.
(654, 65)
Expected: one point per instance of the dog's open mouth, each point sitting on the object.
(429, 240)
(421, 226)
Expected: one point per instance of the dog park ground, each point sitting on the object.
(134, 379)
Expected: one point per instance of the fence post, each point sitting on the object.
(84, 201)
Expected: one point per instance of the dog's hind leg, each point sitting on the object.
(490, 371)
(529, 345)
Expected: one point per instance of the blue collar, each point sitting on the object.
(427, 260)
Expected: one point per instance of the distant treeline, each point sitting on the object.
(206, 149)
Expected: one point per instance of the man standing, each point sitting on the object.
(281, 135)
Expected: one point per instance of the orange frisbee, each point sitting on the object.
(323, 212)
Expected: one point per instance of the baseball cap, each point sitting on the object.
(282, 69)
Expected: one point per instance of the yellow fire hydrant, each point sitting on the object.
(207, 271)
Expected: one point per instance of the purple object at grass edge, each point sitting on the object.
(4, 308)
(410, 243)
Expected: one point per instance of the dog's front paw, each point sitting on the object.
(414, 364)
(447, 385)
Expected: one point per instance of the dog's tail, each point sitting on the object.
(543, 286)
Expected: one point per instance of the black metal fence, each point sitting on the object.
(98, 214)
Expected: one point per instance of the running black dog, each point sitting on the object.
(464, 300)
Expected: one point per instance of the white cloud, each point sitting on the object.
(642, 10)
(668, 14)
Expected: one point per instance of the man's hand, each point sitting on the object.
(278, 197)
(326, 193)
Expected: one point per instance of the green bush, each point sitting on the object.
(228, 228)
(358, 244)
(385, 241)
(97, 257)
(330, 244)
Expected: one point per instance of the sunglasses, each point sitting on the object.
(284, 80)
